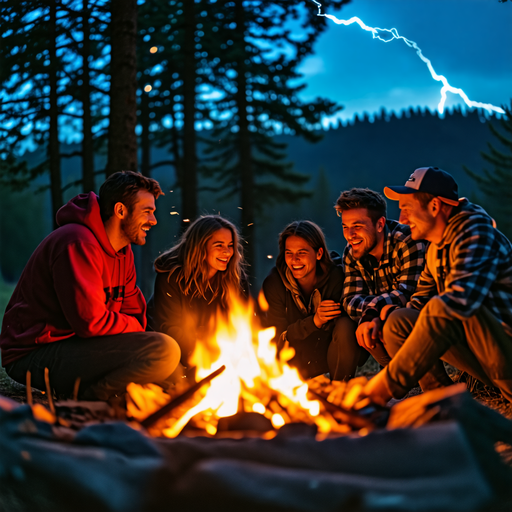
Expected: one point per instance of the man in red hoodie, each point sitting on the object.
(77, 309)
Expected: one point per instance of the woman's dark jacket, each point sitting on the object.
(292, 317)
(183, 317)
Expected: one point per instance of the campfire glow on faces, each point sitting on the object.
(254, 381)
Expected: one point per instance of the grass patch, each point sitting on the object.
(5, 294)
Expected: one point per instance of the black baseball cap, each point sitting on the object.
(432, 180)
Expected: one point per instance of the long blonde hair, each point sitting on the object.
(188, 259)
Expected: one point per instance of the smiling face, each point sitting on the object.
(140, 219)
(301, 258)
(363, 236)
(219, 251)
(418, 218)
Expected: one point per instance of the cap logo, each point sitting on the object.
(416, 178)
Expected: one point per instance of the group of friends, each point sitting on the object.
(435, 286)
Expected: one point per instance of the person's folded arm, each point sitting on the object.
(77, 274)
(426, 289)
(134, 303)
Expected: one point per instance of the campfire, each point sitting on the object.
(252, 388)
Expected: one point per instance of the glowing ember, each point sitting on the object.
(254, 380)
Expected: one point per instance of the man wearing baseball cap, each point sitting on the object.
(461, 311)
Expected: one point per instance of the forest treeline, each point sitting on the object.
(204, 95)
(361, 153)
(118, 74)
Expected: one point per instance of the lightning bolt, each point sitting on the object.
(387, 35)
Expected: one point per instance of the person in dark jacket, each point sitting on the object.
(194, 281)
(77, 310)
(303, 292)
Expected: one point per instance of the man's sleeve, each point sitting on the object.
(77, 274)
(134, 303)
(474, 256)
(355, 289)
(427, 288)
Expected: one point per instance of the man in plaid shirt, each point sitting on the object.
(462, 309)
(382, 264)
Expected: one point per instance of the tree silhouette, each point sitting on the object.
(496, 184)
(260, 100)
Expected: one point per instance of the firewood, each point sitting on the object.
(166, 409)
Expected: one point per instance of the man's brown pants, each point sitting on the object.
(416, 340)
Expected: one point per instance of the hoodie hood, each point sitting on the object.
(460, 215)
(84, 209)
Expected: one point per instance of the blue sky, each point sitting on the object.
(467, 41)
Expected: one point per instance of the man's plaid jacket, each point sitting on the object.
(370, 284)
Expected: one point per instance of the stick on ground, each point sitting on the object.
(166, 409)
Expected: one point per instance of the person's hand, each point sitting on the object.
(377, 389)
(360, 392)
(327, 310)
(369, 333)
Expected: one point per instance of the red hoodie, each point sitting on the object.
(74, 284)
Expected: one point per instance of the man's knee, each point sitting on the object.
(397, 328)
(165, 354)
(344, 329)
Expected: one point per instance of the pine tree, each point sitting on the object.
(261, 95)
(31, 61)
(48, 86)
(122, 141)
(496, 184)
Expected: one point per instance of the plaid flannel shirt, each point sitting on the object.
(471, 267)
(368, 288)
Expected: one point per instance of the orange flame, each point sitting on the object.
(255, 379)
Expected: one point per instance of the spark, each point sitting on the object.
(387, 35)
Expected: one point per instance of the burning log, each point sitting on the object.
(354, 419)
(166, 409)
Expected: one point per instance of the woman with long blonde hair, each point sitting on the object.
(194, 280)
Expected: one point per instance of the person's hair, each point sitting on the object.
(122, 187)
(312, 234)
(363, 198)
(424, 198)
(188, 258)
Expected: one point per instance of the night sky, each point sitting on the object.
(467, 41)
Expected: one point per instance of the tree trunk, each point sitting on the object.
(189, 181)
(122, 142)
(176, 150)
(145, 272)
(53, 143)
(87, 143)
(244, 159)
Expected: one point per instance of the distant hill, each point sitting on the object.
(358, 154)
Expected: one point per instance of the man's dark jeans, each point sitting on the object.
(105, 365)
